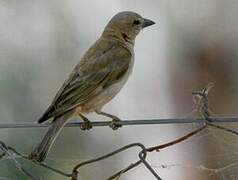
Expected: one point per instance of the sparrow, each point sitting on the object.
(95, 80)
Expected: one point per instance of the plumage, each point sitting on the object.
(106, 68)
(96, 79)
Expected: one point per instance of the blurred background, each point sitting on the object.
(192, 43)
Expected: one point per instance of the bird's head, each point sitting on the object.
(126, 26)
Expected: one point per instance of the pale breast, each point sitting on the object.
(98, 101)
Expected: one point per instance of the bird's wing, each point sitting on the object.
(98, 72)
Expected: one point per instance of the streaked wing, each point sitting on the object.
(103, 71)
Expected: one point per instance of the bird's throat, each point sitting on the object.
(126, 38)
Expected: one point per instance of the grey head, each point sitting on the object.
(127, 25)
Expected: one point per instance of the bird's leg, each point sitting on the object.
(86, 123)
(114, 123)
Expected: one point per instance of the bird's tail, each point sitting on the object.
(40, 152)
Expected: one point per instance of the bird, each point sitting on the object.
(98, 77)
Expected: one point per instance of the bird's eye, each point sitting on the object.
(136, 22)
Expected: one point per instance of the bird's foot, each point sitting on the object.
(86, 125)
(115, 123)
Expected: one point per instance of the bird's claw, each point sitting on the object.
(86, 125)
(114, 123)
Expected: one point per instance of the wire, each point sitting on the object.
(127, 122)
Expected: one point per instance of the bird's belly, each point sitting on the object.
(103, 97)
(106, 94)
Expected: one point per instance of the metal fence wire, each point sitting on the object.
(201, 107)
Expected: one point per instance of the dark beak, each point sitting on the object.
(147, 23)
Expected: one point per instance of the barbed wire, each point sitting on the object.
(201, 102)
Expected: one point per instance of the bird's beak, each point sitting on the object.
(147, 22)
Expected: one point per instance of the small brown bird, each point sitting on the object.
(98, 77)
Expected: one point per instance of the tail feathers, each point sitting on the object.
(42, 119)
(45, 116)
(40, 152)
